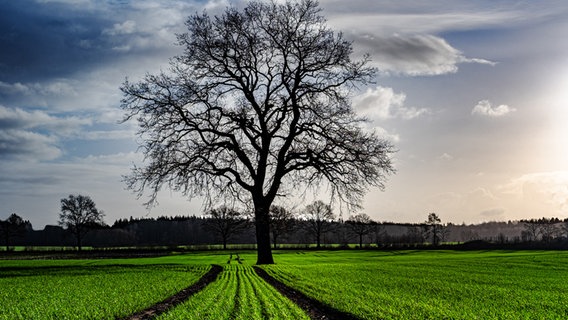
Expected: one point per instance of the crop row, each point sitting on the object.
(83, 292)
(238, 293)
(437, 285)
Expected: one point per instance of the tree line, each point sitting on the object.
(81, 223)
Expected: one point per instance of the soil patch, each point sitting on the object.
(178, 298)
(314, 308)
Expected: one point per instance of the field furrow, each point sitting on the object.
(238, 294)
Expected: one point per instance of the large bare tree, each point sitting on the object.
(257, 106)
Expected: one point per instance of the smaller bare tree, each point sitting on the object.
(564, 228)
(531, 230)
(281, 222)
(361, 225)
(11, 228)
(435, 228)
(79, 214)
(225, 223)
(548, 229)
(319, 218)
(380, 234)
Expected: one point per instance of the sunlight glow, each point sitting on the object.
(558, 102)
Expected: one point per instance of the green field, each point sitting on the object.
(369, 284)
(88, 289)
(434, 285)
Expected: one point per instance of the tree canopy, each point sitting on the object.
(78, 214)
(257, 106)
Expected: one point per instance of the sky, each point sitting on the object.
(473, 94)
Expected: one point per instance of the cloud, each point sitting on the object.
(36, 135)
(432, 17)
(28, 146)
(54, 39)
(412, 54)
(213, 5)
(533, 190)
(127, 27)
(16, 118)
(446, 157)
(39, 91)
(383, 103)
(384, 134)
(485, 108)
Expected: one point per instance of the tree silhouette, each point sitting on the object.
(281, 222)
(318, 217)
(531, 230)
(79, 214)
(361, 225)
(225, 223)
(257, 106)
(434, 228)
(13, 227)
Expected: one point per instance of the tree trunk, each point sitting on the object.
(263, 249)
(79, 244)
(360, 241)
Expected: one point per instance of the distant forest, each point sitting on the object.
(296, 233)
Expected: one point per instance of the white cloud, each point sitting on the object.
(108, 135)
(36, 135)
(446, 157)
(383, 103)
(127, 27)
(413, 54)
(538, 190)
(485, 108)
(212, 5)
(477, 60)
(16, 118)
(57, 87)
(384, 134)
(27, 146)
(13, 88)
(431, 17)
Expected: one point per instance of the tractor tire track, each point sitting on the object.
(178, 298)
(314, 308)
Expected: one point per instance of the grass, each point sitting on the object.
(370, 284)
(433, 285)
(88, 289)
(238, 293)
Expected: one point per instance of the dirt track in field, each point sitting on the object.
(315, 309)
(178, 298)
